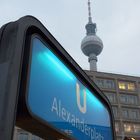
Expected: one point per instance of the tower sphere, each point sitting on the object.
(91, 44)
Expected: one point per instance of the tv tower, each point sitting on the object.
(91, 45)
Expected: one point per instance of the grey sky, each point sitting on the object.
(118, 23)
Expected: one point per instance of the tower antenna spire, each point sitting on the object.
(89, 12)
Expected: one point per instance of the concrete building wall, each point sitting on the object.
(123, 92)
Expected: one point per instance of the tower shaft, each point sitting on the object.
(93, 62)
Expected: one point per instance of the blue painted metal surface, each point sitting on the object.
(58, 97)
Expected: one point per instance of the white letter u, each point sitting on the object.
(81, 108)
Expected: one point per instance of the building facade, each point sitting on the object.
(123, 93)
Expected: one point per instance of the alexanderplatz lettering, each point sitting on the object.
(75, 121)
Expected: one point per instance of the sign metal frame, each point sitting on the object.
(17, 38)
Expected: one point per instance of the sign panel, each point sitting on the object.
(59, 97)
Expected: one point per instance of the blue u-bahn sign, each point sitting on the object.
(57, 96)
(45, 90)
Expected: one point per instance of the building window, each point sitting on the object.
(133, 100)
(22, 136)
(129, 99)
(115, 112)
(117, 128)
(100, 83)
(122, 85)
(132, 128)
(137, 128)
(130, 113)
(134, 114)
(111, 97)
(130, 86)
(128, 128)
(125, 113)
(105, 83)
(124, 99)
